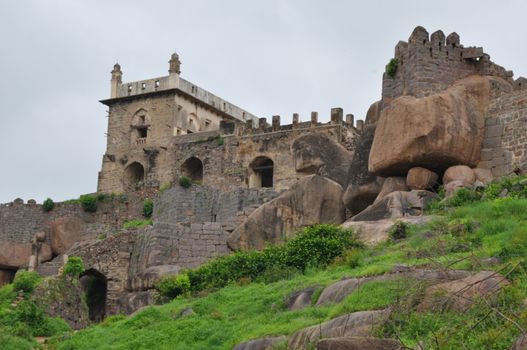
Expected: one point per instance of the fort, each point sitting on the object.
(443, 106)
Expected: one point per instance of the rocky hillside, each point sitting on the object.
(456, 282)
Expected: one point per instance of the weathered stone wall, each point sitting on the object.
(227, 158)
(505, 144)
(430, 64)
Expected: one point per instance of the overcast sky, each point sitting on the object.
(268, 57)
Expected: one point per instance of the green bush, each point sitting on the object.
(314, 246)
(165, 186)
(185, 182)
(74, 267)
(463, 196)
(172, 286)
(399, 230)
(131, 224)
(26, 281)
(391, 67)
(88, 203)
(148, 207)
(48, 205)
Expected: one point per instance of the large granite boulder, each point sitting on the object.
(64, 232)
(392, 184)
(396, 205)
(419, 178)
(313, 199)
(459, 173)
(356, 324)
(318, 154)
(363, 186)
(435, 131)
(14, 255)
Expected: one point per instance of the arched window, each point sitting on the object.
(134, 175)
(95, 286)
(193, 168)
(261, 172)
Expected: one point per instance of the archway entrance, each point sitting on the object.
(193, 169)
(95, 286)
(134, 175)
(261, 172)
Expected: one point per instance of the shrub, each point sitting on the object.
(26, 281)
(136, 224)
(88, 203)
(315, 246)
(220, 141)
(391, 67)
(74, 267)
(398, 230)
(172, 286)
(48, 205)
(185, 182)
(463, 196)
(165, 186)
(148, 207)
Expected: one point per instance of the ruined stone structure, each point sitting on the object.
(448, 115)
(163, 128)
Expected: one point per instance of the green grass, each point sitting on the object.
(460, 237)
(131, 224)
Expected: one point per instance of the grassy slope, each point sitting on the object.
(241, 312)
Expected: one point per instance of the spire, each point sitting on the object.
(175, 64)
(116, 80)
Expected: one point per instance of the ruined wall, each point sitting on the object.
(505, 144)
(430, 64)
(227, 158)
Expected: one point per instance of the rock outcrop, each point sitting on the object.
(419, 178)
(314, 199)
(64, 232)
(268, 343)
(435, 131)
(356, 324)
(359, 343)
(395, 205)
(318, 154)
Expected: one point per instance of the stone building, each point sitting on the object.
(163, 128)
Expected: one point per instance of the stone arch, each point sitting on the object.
(261, 172)
(95, 286)
(134, 175)
(193, 168)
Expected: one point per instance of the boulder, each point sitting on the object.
(363, 187)
(483, 175)
(313, 199)
(336, 292)
(392, 184)
(14, 255)
(459, 295)
(395, 205)
(268, 343)
(64, 232)
(373, 232)
(359, 343)
(436, 131)
(301, 299)
(356, 324)
(318, 154)
(358, 197)
(459, 173)
(419, 178)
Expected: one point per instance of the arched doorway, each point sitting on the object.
(134, 175)
(193, 169)
(95, 286)
(261, 172)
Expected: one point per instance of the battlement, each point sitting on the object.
(427, 64)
